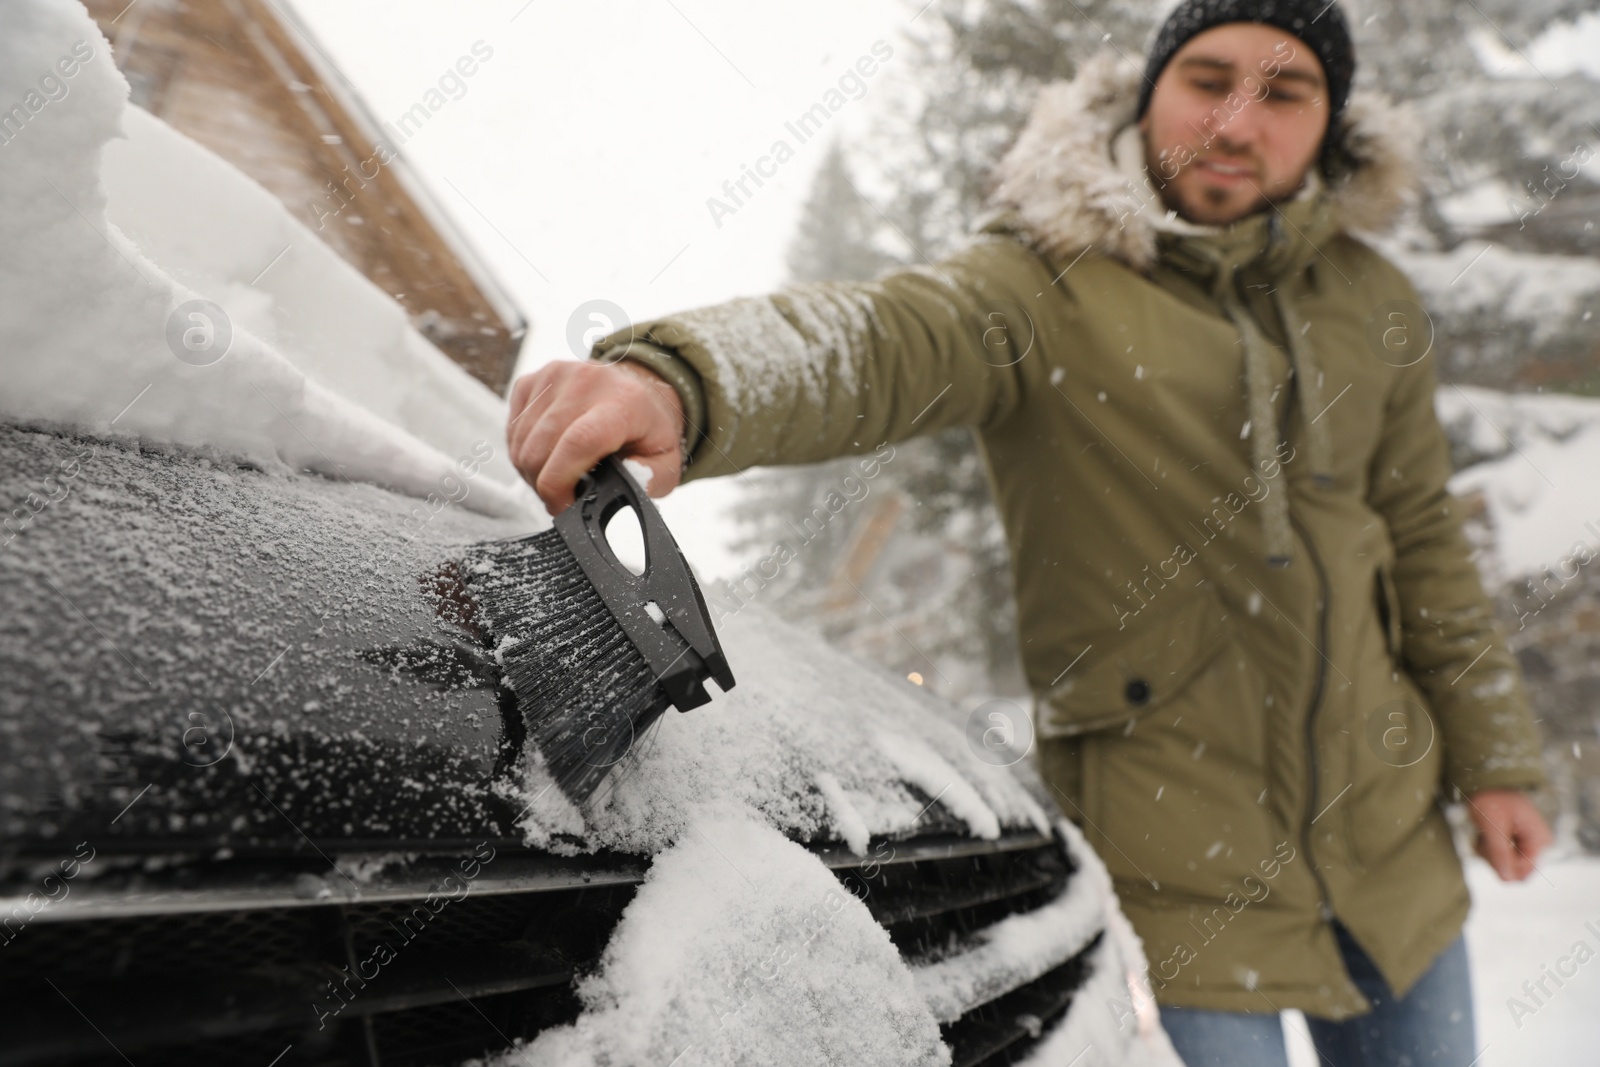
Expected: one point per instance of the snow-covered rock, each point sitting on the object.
(1543, 453)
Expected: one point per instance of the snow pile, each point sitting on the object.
(182, 328)
(1547, 449)
(816, 743)
(741, 948)
(1484, 203)
(1491, 424)
(1533, 947)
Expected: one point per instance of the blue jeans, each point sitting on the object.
(1431, 1026)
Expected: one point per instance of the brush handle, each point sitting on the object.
(683, 650)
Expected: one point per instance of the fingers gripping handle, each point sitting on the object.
(682, 650)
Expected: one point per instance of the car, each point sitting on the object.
(265, 798)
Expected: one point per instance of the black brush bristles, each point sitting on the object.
(584, 690)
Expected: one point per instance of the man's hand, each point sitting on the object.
(1511, 832)
(567, 416)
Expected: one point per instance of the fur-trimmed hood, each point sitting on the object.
(1064, 189)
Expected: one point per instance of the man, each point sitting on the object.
(1261, 654)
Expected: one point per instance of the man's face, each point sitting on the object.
(1235, 120)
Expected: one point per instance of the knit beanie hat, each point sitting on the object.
(1319, 23)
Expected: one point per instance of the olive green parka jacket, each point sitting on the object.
(1260, 651)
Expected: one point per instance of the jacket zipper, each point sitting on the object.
(1324, 908)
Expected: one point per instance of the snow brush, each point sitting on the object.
(593, 652)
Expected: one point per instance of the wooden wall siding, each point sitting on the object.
(243, 78)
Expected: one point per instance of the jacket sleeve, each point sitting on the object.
(820, 370)
(1453, 646)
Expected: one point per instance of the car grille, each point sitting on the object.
(935, 908)
(203, 976)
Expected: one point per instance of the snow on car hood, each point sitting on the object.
(741, 948)
(816, 743)
(143, 296)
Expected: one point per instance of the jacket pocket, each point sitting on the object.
(1388, 603)
(1396, 761)
(1158, 742)
(1129, 673)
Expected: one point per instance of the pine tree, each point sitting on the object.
(836, 240)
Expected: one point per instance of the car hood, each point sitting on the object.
(201, 656)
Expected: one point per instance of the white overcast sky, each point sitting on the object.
(580, 158)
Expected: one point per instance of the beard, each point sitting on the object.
(1205, 203)
(1214, 200)
(1211, 205)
